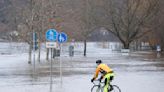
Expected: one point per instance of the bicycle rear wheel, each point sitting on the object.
(115, 89)
(96, 88)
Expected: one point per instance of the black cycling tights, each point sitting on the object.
(111, 78)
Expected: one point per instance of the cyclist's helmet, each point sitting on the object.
(98, 61)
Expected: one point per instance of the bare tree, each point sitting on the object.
(160, 20)
(25, 29)
(158, 33)
(132, 21)
(37, 16)
(128, 19)
(156, 37)
(30, 23)
(75, 19)
(86, 22)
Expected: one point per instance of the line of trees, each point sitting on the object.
(129, 20)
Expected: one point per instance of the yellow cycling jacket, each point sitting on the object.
(104, 69)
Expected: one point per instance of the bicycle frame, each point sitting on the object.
(100, 87)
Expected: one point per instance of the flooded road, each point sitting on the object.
(137, 72)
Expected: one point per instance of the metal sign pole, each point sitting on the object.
(61, 64)
(51, 72)
(51, 37)
(34, 61)
(62, 37)
(34, 39)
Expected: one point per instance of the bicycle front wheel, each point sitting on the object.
(115, 89)
(96, 88)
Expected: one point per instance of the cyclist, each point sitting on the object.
(106, 72)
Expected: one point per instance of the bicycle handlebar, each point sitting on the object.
(98, 82)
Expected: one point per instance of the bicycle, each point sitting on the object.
(99, 87)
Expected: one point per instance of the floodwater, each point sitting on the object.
(136, 72)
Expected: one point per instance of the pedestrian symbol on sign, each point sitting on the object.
(51, 35)
(62, 37)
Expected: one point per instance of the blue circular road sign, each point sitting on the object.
(62, 37)
(51, 35)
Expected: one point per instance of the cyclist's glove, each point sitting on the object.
(92, 79)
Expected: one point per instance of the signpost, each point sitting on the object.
(62, 37)
(52, 36)
(35, 46)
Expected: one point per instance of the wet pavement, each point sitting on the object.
(136, 72)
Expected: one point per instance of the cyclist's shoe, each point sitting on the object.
(111, 88)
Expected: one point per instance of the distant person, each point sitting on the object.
(106, 72)
(158, 47)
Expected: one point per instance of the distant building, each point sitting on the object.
(100, 35)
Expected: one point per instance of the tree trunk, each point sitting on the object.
(126, 45)
(85, 47)
(47, 54)
(162, 47)
(30, 54)
(39, 49)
